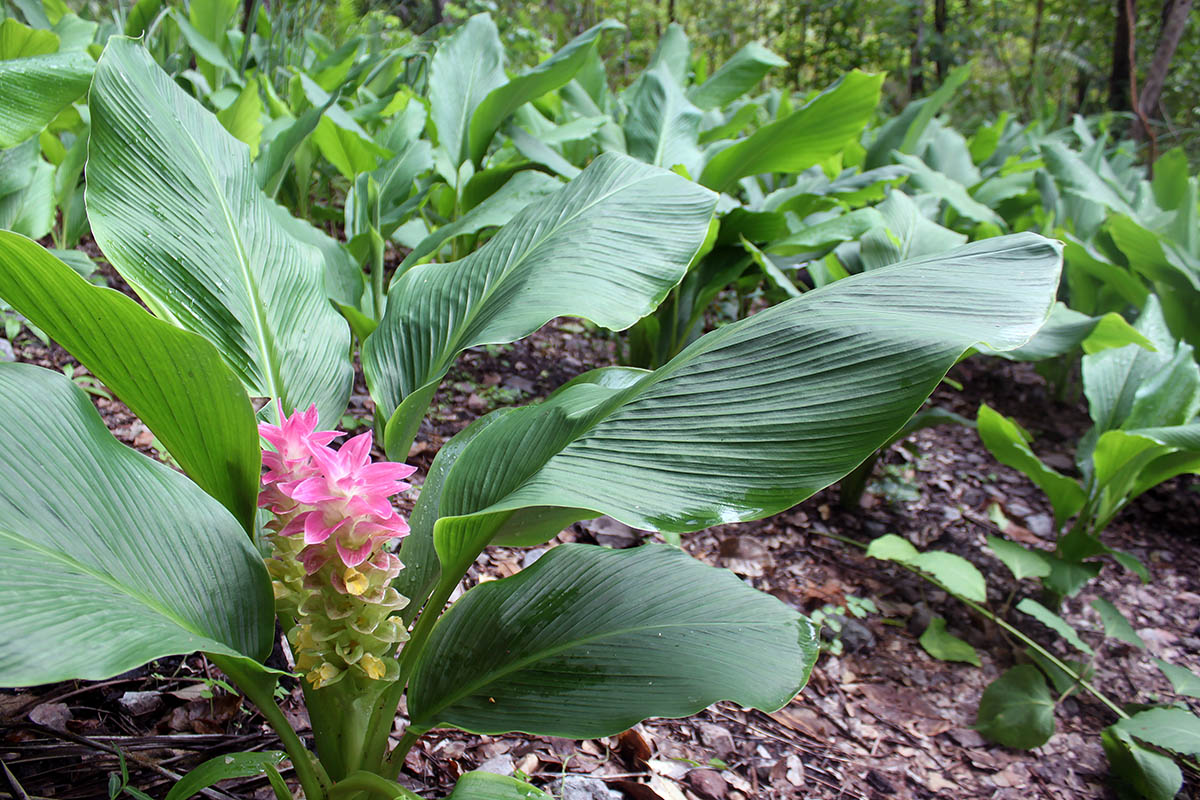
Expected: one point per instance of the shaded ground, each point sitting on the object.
(880, 720)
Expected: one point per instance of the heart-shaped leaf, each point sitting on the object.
(588, 641)
(1016, 710)
(110, 559)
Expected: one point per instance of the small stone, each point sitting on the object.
(52, 715)
(1040, 525)
(138, 703)
(707, 783)
(499, 765)
(581, 787)
(476, 403)
(716, 738)
(856, 636)
(6, 351)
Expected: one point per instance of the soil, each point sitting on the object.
(880, 719)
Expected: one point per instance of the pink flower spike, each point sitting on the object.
(352, 557)
(315, 529)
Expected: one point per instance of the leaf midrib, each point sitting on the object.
(454, 344)
(548, 652)
(271, 367)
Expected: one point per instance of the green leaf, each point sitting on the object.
(663, 127)
(735, 77)
(891, 547)
(1016, 709)
(830, 232)
(1183, 680)
(563, 256)
(751, 418)
(242, 117)
(220, 768)
(949, 190)
(200, 414)
(1056, 623)
(20, 41)
(30, 211)
(1115, 624)
(545, 77)
(957, 575)
(180, 216)
(945, 646)
(1067, 329)
(904, 131)
(1150, 775)
(906, 233)
(1009, 444)
(110, 559)
(521, 190)
(467, 67)
(479, 785)
(606, 634)
(33, 90)
(1171, 728)
(141, 16)
(1021, 561)
(810, 134)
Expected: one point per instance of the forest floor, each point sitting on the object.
(880, 720)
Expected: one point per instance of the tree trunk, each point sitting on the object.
(942, 54)
(1122, 56)
(916, 59)
(1034, 44)
(1174, 21)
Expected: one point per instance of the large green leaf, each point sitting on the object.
(663, 127)
(467, 66)
(751, 418)
(588, 641)
(174, 206)
(522, 189)
(567, 255)
(35, 88)
(110, 559)
(173, 380)
(735, 77)
(810, 134)
(545, 77)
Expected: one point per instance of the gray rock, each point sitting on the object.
(6, 351)
(581, 787)
(138, 703)
(856, 636)
(1040, 524)
(499, 765)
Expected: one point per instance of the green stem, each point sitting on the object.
(384, 712)
(395, 760)
(372, 784)
(378, 294)
(309, 771)
(984, 612)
